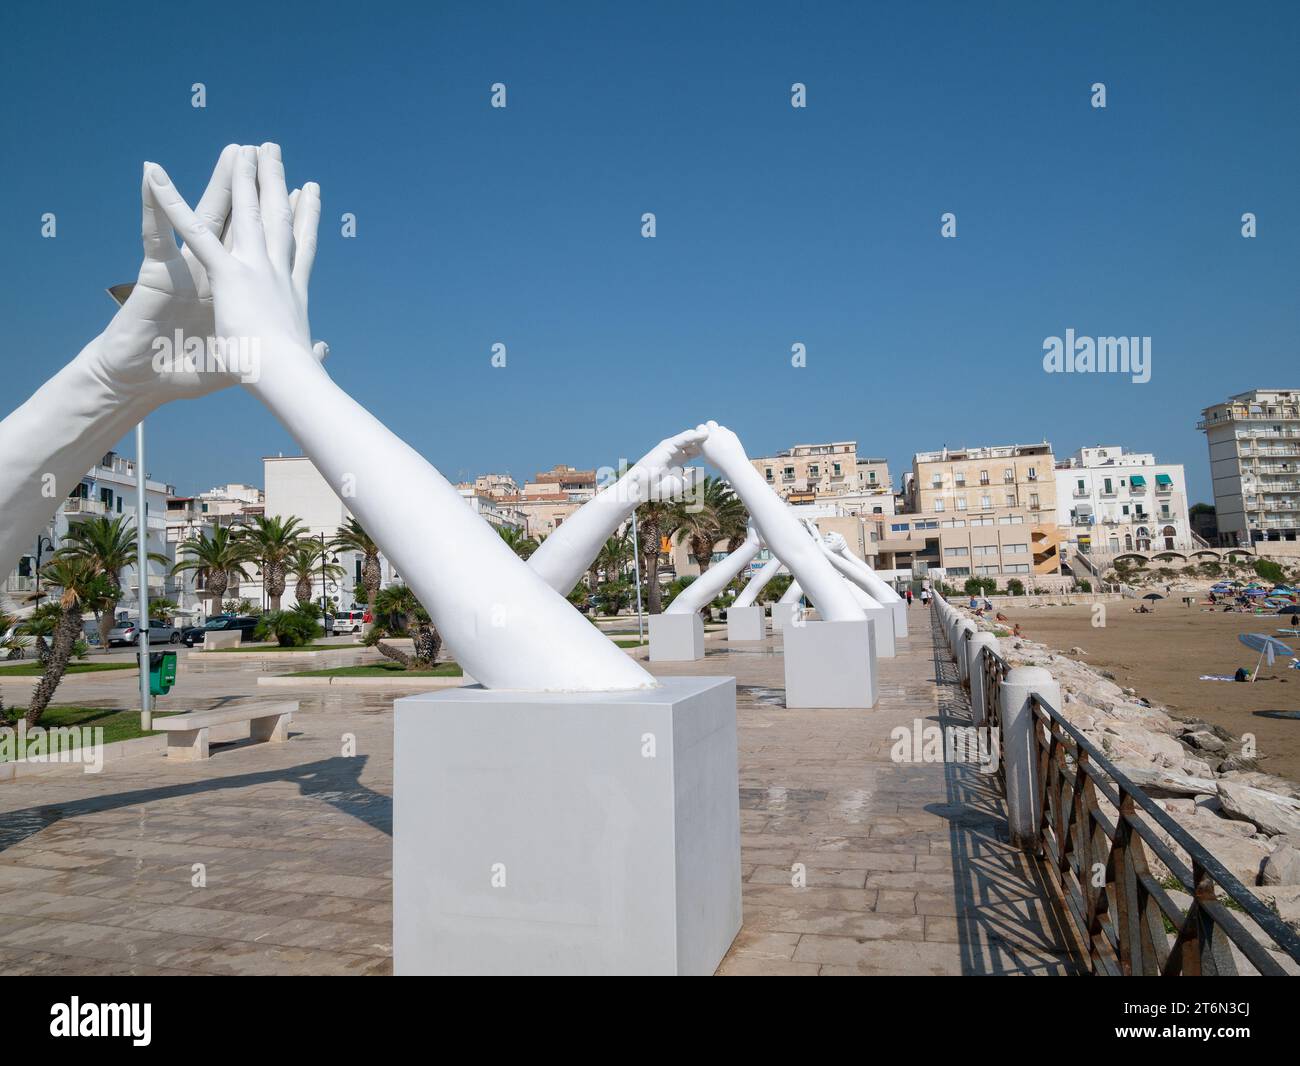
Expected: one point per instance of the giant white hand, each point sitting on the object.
(170, 309)
(660, 475)
(261, 281)
(788, 540)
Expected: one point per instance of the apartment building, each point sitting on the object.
(809, 473)
(1254, 445)
(294, 487)
(977, 512)
(1109, 501)
(107, 489)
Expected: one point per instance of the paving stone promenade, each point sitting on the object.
(906, 866)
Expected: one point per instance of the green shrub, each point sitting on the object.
(1016, 587)
(290, 629)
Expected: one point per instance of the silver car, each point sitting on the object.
(159, 633)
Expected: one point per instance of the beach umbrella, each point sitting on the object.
(1153, 596)
(1268, 647)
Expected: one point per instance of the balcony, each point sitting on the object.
(77, 505)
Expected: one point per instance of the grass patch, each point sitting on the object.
(117, 725)
(384, 669)
(632, 643)
(35, 669)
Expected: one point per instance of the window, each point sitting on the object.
(954, 523)
(106, 498)
(835, 469)
(959, 478)
(1011, 499)
(984, 477)
(986, 502)
(1015, 549)
(1124, 508)
(961, 503)
(877, 510)
(768, 471)
(788, 473)
(986, 549)
(938, 505)
(871, 474)
(956, 552)
(1033, 473)
(899, 527)
(958, 571)
(1107, 487)
(1016, 568)
(1033, 501)
(936, 482)
(814, 470)
(1008, 475)
(926, 525)
(986, 570)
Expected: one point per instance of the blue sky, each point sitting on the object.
(775, 225)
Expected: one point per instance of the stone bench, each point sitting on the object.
(187, 734)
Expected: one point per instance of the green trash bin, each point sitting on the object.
(162, 672)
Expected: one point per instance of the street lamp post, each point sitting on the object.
(120, 293)
(42, 542)
(636, 570)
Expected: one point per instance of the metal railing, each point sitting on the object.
(1095, 830)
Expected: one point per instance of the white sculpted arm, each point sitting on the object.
(80, 413)
(756, 584)
(565, 555)
(702, 591)
(780, 529)
(793, 594)
(871, 581)
(507, 627)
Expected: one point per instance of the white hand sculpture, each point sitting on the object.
(702, 591)
(779, 528)
(506, 626)
(565, 555)
(58, 434)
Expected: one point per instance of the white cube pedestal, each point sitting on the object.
(782, 613)
(566, 833)
(900, 618)
(883, 630)
(830, 664)
(746, 623)
(676, 638)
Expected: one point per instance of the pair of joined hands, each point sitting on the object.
(243, 273)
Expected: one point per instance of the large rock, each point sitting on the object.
(1272, 813)
(1159, 782)
(1281, 868)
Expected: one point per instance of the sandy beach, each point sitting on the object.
(1162, 655)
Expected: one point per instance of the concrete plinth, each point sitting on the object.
(676, 638)
(900, 618)
(782, 613)
(746, 623)
(883, 630)
(579, 833)
(830, 664)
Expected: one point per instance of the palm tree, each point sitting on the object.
(353, 538)
(614, 555)
(306, 564)
(107, 546)
(702, 522)
(214, 559)
(520, 542)
(654, 521)
(272, 541)
(396, 610)
(84, 588)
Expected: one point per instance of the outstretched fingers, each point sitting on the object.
(155, 227)
(277, 215)
(246, 208)
(306, 223)
(197, 237)
(213, 208)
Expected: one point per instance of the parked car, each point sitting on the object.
(192, 635)
(160, 632)
(349, 621)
